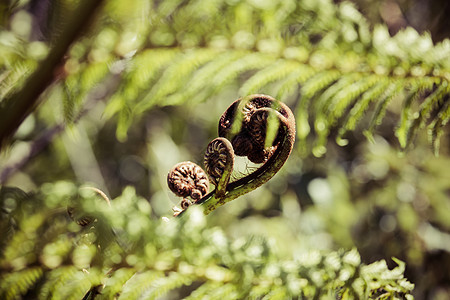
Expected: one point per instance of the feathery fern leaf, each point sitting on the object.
(163, 285)
(430, 103)
(278, 70)
(362, 105)
(178, 72)
(13, 285)
(139, 284)
(435, 129)
(305, 47)
(165, 256)
(55, 280)
(114, 284)
(77, 87)
(393, 89)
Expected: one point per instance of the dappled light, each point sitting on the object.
(224, 149)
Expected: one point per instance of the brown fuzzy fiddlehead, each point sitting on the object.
(260, 128)
(219, 162)
(252, 114)
(187, 179)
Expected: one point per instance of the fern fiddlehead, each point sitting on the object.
(260, 128)
(219, 162)
(187, 179)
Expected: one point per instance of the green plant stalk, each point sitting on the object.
(250, 182)
(221, 187)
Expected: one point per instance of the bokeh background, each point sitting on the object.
(369, 195)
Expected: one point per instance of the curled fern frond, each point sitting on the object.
(257, 127)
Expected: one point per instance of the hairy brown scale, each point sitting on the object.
(248, 110)
(260, 155)
(242, 144)
(257, 127)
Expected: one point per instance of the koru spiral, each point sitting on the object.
(219, 162)
(243, 131)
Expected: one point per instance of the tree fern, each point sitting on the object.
(322, 57)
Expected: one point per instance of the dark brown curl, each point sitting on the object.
(253, 113)
(188, 179)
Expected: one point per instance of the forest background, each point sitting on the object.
(113, 93)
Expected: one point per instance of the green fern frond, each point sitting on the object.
(55, 280)
(115, 282)
(77, 87)
(278, 70)
(321, 105)
(290, 84)
(196, 89)
(139, 284)
(309, 89)
(430, 103)
(163, 285)
(163, 257)
(258, 292)
(406, 115)
(223, 291)
(362, 105)
(345, 98)
(204, 290)
(124, 122)
(13, 77)
(391, 92)
(304, 48)
(178, 71)
(277, 293)
(438, 95)
(68, 102)
(14, 285)
(435, 129)
(139, 77)
(389, 275)
(248, 62)
(79, 284)
(14, 252)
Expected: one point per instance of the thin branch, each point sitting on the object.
(40, 144)
(14, 109)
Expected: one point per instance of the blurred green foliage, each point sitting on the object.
(126, 254)
(142, 87)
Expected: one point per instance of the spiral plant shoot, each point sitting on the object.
(257, 127)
